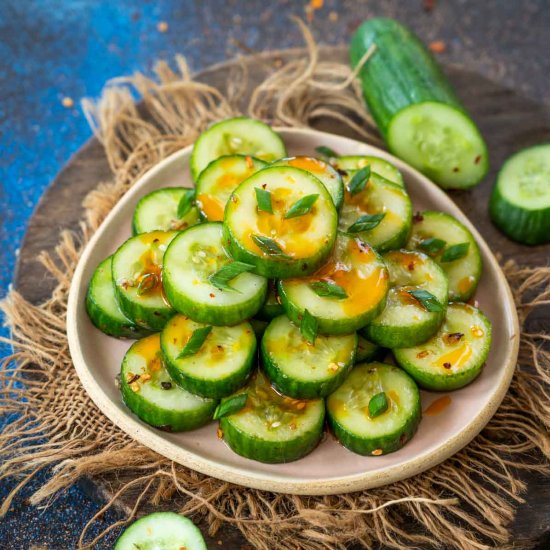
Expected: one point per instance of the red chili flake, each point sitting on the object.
(264, 185)
(212, 295)
(133, 379)
(249, 162)
(456, 169)
(418, 217)
(453, 338)
(477, 159)
(410, 267)
(447, 365)
(428, 5)
(422, 354)
(437, 46)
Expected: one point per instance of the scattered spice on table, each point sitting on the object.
(437, 46)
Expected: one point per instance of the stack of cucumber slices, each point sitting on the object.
(266, 297)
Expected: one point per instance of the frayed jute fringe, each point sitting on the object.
(466, 502)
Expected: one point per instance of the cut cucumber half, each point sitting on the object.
(158, 211)
(152, 395)
(406, 321)
(137, 273)
(415, 107)
(442, 142)
(455, 355)
(378, 165)
(103, 308)
(272, 306)
(219, 179)
(219, 367)
(236, 136)
(161, 531)
(301, 370)
(368, 351)
(351, 416)
(520, 203)
(360, 274)
(280, 246)
(383, 198)
(328, 176)
(194, 256)
(436, 233)
(273, 428)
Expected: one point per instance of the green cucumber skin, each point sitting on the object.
(210, 388)
(531, 227)
(399, 52)
(397, 337)
(447, 382)
(300, 389)
(152, 320)
(119, 327)
(387, 444)
(163, 418)
(272, 268)
(112, 327)
(214, 315)
(270, 452)
(195, 170)
(377, 353)
(330, 326)
(400, 74)
(454, 293)
(220, 316)
(272, 307)
(132, 538)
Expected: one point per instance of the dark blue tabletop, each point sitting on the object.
(55, 52)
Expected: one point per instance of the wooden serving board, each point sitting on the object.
(507, 120)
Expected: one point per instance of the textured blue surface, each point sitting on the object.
(51, 49)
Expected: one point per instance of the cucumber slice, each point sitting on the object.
(353, 422)
(137, 273)
(299, 245)
(220, 366)
(158, 211)
(357, 269)
(103, 308)
(405, 322)
(378, 165)
(195, 255)
(368, 351)
(273, 428)
(378, 197)
(301, 370)
(150, 393)
(442, 142)
(520, 203)
(327, 175)
(272, 306)
(415, 106)
(455, 355)
(236, 136)
(464, 272)
(219, 179)
(161, 531)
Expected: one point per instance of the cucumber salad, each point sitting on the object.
(286, 296)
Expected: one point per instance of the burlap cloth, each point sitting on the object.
(466, 502)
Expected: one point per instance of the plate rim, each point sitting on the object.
(270, 481)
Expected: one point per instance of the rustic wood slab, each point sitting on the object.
(509, 122)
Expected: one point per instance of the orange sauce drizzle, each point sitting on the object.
(456, 357)
(363, 292)
(307, 163)
(211, 207)
(291, 234)
(465, 284)
(148, 347)
(438, 406)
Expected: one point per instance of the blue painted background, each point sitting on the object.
(52, 49)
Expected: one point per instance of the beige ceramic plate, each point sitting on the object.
(330, 468)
